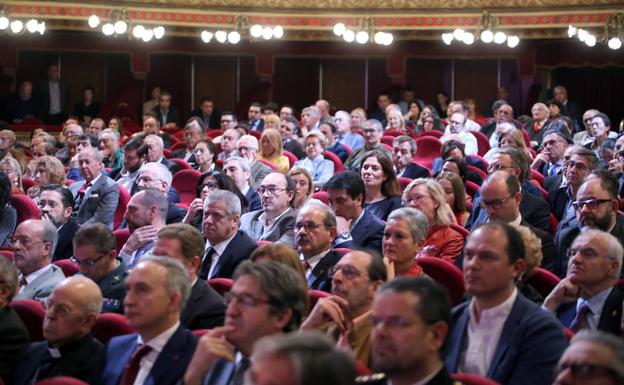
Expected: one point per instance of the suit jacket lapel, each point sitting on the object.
(506, 335)
(167, 358)
(458, 335)
(320, 270)
(123, 354)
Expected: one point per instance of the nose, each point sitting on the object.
(564, 378)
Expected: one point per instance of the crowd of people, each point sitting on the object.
(332, 238)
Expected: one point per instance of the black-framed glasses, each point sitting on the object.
(591, 204)
(271, 190)
(245, 299)
(578, 165)
(498, 167)
(415, 199)
(494, 203)
(308, 226)
(349, 272)
(87, 262)
(587, 371)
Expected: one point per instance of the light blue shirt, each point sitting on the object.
(320, 168)
(354, 141)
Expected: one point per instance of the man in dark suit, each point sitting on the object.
(68, 349)
(500, 334)
(160, 350)
(502, 112)
(537, 125)
(403, 152)
(258, 305)
(254, 114)
(52, 98)
(572, 109)
(330, 131)
(95, 252)
(153, 175)
(13, 334)
(226, 246)
(315, 231)
(357, 228)
(588, 297)
(168, 116)
(206, 112)
(95, 198)
(56, 204)
(193, 133)
(205, 307)
(287, 128)
(239, 170)
(550, 161)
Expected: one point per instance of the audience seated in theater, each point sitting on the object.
(21, 104)
(442, 241)
(373, 130)
(315, 231)
(503, 112)
(325, 109)
(615, 166)
(356, 118)
(271, 149)
(109, 146)
(95, 127)
(275, 221)
(8, 215)
(552, 183)
(205, 156)
(161, 349)
(281, 253)
(346, 314)
(589, 297)
(205, 307)
(96, 197)
(596, 207)
(320, 169)
(254, 115)
(330, 131)
(458, 131)
(303, 186)
(549, 161)
(310, 119)
(509, 136)
(455, 193)
(592, 357)
(68, 349)
(239, 170)
(193, 133)
(151, 126)
(258, 305)
(500, 334)
(538, 124)
(532, 258)
(455, 149)
(56, 205)
(405, 230)
(229, 141)
(48, 170)
(395, 119)
(383, 193)
(247, 147)
(226, 245)
(84, 141)
(516, 161)
(429, 121)
(157, 176)
(70, 133)
(426, 308)
(208, 115)
(345, 123)
(403, 152)
(95, 252)
(207, 184)
(13, 334)
(134, 156)
(155, 152)
(357, 227)
(600, 126)
(145, 215)
(33, 246)
(13, 170)
(586, 136)
(287, 129)
(461, 107)
(287, 111)
(168, 116)
(149, 105)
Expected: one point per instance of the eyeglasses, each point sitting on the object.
(415, 199)
(578, 165)
(86, 262)
(309, 226)
(271, 190)
(27, 243)
(349, 272)
(498, 167)
(494, 203)
(587, 371)
(585, 252)
(245, 149)
(210, 186)
(244, 299)
(591, 204)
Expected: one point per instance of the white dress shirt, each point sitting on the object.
(157, 344)
(313, 261)
(34, 275)
(219, 248)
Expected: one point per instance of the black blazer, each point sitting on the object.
(14, 341)
(175, 214)
(253, 200)
(64, 247)
(238, 250)
(610, 318)
(558, 200)
(213, 122)
(553, 182)
(414, 171)
(172, 117)
(319, 278)
(205, 308)
(368, 232)
(534, 210)
(293, 146)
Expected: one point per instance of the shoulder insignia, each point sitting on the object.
(370, 378)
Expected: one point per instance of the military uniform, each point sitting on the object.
(113, 288)
(441, 378)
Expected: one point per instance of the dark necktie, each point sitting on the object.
(48, 362)
(205, 269)
(580, 322)
(134, 364)
(241, 368)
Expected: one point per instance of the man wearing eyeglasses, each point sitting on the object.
(275, 221)
(258, 305)
(372, 131)
(593, 357)
(247, 147)
(588, 297)
(96, 254)
(68, 349)
(586, 136)
(156, 176)
(403, 152)
(56, 204)
(549, 161)
(457, 129)
(346, 314)
(33, 243)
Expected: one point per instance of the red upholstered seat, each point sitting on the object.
(537, 176)
(27, 183)
(122, 203)
(393, 133)
(177, 146)
(434, 133)
(109, 325)
(26, 208)
(262, 242)
(322, 196)
(568, 333)
(7, 254)
(482, 174)
(268, 163)
(200, 332)
(472, 379)
(69, 267)
(257, 134)
(553, 224)
(31, 312)
(315, 295)
(221, 285)
(404, 182)
(291, 158)
(185, 182)
(181, 164)
(428, 148)
(61, 380)
(471, 188)
(386, 139)
(167, 153)
(543, 281)
(121, 236)
(342, 250)
(338, 166)
(349, 149)
(460, 229)
(214, 133)
(446, 274)
(483, 143)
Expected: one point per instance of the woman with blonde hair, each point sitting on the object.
(271, 121)
(442, 240)
(510, 137)
(48, 170)
(271, 149)
(303, 186)
(13, 169)
(358, 117)
(396, 121)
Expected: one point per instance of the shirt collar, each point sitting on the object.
(315, 259)
(219, 248)
(36, 274)
(501, 311)
(158, 343)
(263, 219)
(94, 180)
(595, 303)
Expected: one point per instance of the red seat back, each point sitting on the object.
(185, 182)
(338, 166)
(221, 285)
(268, 163)
(200, 332)
(434, 133)
(483, 143)
(109, 325)
(31, 312)
(26, 208)
(27, 183)
(68, 266)
(177, 146)
(393, 133)
(543, 281)
(315, 295)
(181, 164)
(386, 139)
(537, 176)
(482, 174)
(428, 148)
(291, 158)
(404, 182)
(257, 134)
(322, 196)
(472, 379)
(471, 188)
(167, 153)
(446, 274)
(122, 203)
(214, 133)
(61, 380)
(460, 230)
(121, 236)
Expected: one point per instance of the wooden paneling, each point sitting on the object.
(296, 81)
(427, 76)
(343, 82)
(476, 79)
(173, 74)
(81, 70)
(378, 80)
(215, 77)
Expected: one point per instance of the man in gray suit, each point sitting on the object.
(95, 198)
(275, 221)
(34, 241)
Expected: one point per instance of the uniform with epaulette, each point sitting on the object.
(441, 378)
(113, 288)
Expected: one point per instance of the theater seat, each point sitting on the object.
(322, 196)
(460, 229)
(27, 183)
(121, 236)
(338, 166)
(446, 274)
(315, 295)
(343, 250)
(31, 312)
(7, 254)
(69, 267)
(483, 143)
(185, 183)
(435, 133)
(26, 208)
(268, 163)
(428, 148)
(180, 164)
(122, 204)
(109, 325)
(262, 242)
(404, 182)
(292, 158)
(61, 380)
(472, 379)
(543, 281)
(393, 133)
(221, 285)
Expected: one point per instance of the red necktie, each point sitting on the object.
(536, 126)
(132, 368)
(81, 193)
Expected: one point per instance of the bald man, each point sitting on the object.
(68, 349)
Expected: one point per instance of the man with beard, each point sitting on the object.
(596, 208)
(258, 305)
(134, 156)
(56, 204)
(345, 314)
(145, 215)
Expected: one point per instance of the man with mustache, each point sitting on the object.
(346, 314)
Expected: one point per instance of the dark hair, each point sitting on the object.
(515, 244)
(271, 106)
(331, 126)
(98, 235)
(121, 130)
(498, 104)
(461, 165)
(67, 199)
(206, 99)
(459, 190)
(5, 190)
(555, 102)
(608, 182)
(349, 181)
(93, 140)
(557, 127)
(224, 182)
(234, 118)
(451, 145)
(164, 93)
(255, 104)
(389, 187)
(604, 117)
(376, 268)
(89, 88)
(211, 147)
(133, 144)
(290, 186)
(289, 106)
